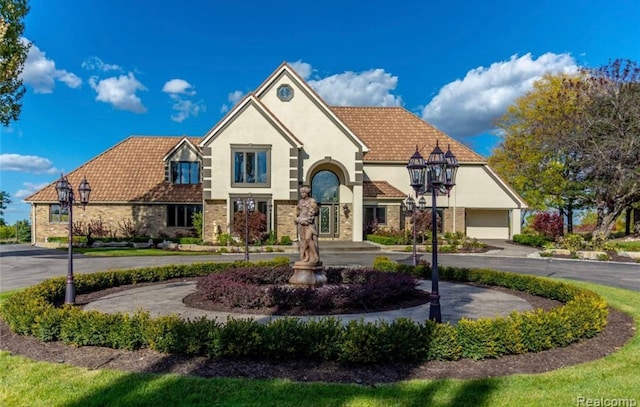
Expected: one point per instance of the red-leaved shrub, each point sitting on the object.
(548, 224)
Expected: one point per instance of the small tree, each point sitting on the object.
(198, 221)
(548, 224)
(23, 230)
(257, 225)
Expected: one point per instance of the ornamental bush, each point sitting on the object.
(583, 315)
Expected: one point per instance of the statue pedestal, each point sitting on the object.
(307, 274)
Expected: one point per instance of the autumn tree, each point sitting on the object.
(574, 140)
(528, 157)
(13, 53)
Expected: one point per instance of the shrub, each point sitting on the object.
(286, 240)
(583, 315)
(548, 224)
(190, 240)
(572, 242)
(197, 220)
(532, 240)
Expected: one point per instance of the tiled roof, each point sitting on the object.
(131, 171)
(392, 133)
(380, 189)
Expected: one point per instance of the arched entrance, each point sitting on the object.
(325, 189)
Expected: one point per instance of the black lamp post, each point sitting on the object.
(246, 205)
(66, 197)
(437, 174)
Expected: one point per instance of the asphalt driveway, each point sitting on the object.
(25, 265)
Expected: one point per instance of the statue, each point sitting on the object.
(306, 213)
(308, 270)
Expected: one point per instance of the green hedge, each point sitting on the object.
(532, 240)
(583, 315)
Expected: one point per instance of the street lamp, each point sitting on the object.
(417, 169)
(438, 175)
(246, 205)
(66, 197)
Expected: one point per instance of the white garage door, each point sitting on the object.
(487, 224)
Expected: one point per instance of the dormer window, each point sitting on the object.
(185, 172)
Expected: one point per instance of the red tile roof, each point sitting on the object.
(133, 170)
(130, 171)
(392, 133)
(380, 189)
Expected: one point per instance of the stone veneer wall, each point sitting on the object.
(460, 220)
(149, 220)
(285, 214)
(215, 215)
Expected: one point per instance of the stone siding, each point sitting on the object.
(147, 220)
(460, 220)
(285, 213)
(215, 216)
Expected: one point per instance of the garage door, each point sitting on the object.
(487, 224)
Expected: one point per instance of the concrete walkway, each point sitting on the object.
(457, 301)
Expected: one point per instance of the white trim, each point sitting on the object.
(177, 147)
(285, 69)
(237, 111)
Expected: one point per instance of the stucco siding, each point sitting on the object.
(319, 134)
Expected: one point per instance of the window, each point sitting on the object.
(181, 215)
(185, 172)
(58, 214)
(377, 213)
(250, 166)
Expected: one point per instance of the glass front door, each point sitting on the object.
(325, 188)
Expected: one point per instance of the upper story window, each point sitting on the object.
(185, 172)
(251, 166)
(58, 214)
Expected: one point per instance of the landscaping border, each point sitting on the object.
(37, 311)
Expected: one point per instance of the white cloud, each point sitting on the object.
(120, 92)
(233, 98)
(186, 108)
(41, 74)
(178, 86)
(29, 189)
(26, 163)
(180, 92)
(96, 64)
(367, 88)
(302, 68)
(469, 106)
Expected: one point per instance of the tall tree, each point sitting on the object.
(528, 157)
(13, 53)
(609, 138)
(4, 201)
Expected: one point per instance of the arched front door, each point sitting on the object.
(325, 189)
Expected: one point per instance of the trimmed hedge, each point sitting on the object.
(532, 240)
(583, 315)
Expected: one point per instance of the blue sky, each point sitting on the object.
(100, 71)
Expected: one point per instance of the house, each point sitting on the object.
(278, 138)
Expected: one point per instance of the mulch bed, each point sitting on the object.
(620, 328)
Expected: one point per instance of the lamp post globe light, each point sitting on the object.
(66, 197)
(440, 170)
(246, 205)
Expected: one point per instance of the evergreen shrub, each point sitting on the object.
(34, 311)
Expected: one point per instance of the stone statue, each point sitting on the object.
(308, 271)
(306, 213)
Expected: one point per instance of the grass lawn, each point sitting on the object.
(122, 252)
(631, 246)
(27, 383)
